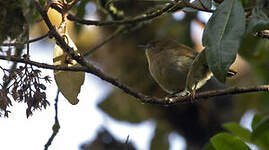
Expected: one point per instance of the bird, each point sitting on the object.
(177, 68)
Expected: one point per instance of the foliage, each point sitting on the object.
(239, 136)
(12, 20)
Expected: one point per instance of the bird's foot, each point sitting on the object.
(188, 93)
(170, 98)
(183, 93)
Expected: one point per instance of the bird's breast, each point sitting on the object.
(170, 72)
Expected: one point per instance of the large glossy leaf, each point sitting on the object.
(237, 130)
(222, 36)
(226, 141)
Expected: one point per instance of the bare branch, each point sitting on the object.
(111, 37)
(56, 125)
(43, 65)
(134, 20)
(73, 3)
(27, 42)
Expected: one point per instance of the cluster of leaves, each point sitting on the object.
(12, 19)
(239, 136)
(23, 84)
(225, 30)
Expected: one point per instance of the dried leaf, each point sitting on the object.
(69, 83)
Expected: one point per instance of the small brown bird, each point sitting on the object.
(170, 62)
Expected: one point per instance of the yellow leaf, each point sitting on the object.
(68, 82)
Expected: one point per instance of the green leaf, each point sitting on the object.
(236, 129)
(209, 146)
(258, 22)
(256, 119)
(206, 3)
(226, 141)
(160, 138)
(222, 36)
(260, 134)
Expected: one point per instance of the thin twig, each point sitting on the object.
(73, 3)
(56, 125)
(30, 41)
(111, 37)
(126, 143)
(43, 65)
(134, 20)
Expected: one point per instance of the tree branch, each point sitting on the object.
(27, 42)
(111, 37)
(56, 125)
(143, 98)
(134, 20)
(43, 65)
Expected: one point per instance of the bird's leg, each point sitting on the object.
(185, 92)
(193, 92)
(169, 98)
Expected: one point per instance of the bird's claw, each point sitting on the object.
(186, 92)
